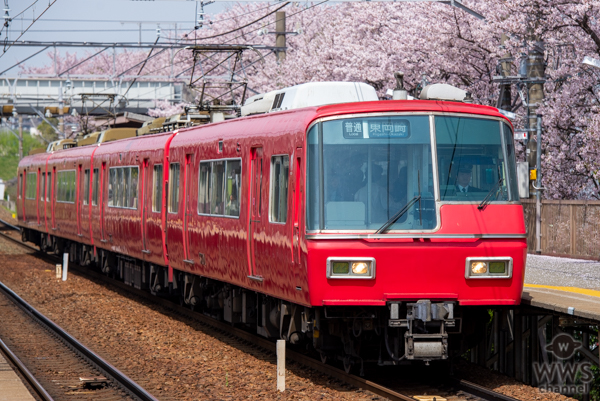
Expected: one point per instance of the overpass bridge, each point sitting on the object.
(86, 96)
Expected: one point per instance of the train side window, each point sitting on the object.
(233, 187)
(95, 185)
(112, 186)
(158, 185)
(216, 197)
(31, 186)
(126, 187)
(133, 187)
(204, 188)
(72, 185)
(119, 182)
(173, 187)
(42, 186)
(280, 167)
(86, 186)
(65, 181)
(20, 189)
(49, 186)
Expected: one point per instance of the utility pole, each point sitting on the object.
(280, 32)
(538, 188)
(20, 137)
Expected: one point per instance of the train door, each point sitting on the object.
(40, 194)
(187, 207)
(255, 218)
(79, 199)
(84, 202)
(102, 200)
(145, 193)
(53, 197)
(297, 197)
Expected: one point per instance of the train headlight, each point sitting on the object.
(478, 267)
(360, 268)
(354, 268)
(486, 267)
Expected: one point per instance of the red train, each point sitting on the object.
(375, 230)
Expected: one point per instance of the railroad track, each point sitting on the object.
(456, 389)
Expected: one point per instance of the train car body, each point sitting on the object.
(344, 225)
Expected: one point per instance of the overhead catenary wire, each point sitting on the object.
(6, 47)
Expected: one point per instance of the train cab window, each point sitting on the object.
(122, 187)
(280, 166)
(86, 186)
(157, 184)
(217, 203)
(95, 186)
(49, 186)
(42, 186)
(219, 187)
(20, 189)
(475, 160)
(361, 172)
(31, 186)
(174, 187)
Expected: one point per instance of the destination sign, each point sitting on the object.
(375, 129)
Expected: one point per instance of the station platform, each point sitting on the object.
(570, 286)
(11, 386)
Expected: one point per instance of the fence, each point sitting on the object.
(569, 227)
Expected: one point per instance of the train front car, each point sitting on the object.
(413, 228)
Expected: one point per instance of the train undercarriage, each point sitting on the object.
(398, 333)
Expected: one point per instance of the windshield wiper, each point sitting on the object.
(487, 200)
(398, 215)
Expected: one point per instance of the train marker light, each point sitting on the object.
(340, 268)
(353, 268)
(478, 267)
(497, 267)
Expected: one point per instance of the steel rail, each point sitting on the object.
(10, 225)
(113, 372)
(39, 389)
(353, 380)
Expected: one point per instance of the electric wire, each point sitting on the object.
(7, 47)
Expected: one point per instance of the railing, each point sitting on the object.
(569, 227)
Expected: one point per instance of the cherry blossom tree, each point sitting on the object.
(429, 42)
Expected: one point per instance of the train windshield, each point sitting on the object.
(475, 160)
(363, 171)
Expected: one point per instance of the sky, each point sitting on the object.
(94, 21)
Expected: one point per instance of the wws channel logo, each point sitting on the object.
(564, 376)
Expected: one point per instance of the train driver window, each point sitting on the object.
(173, 187)
(157, 183)
(86, 186)
(233, 187)
(280, 166)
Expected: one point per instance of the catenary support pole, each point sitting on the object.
(280, 30)
(538, 192)
(280, 365)
(20, 137)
